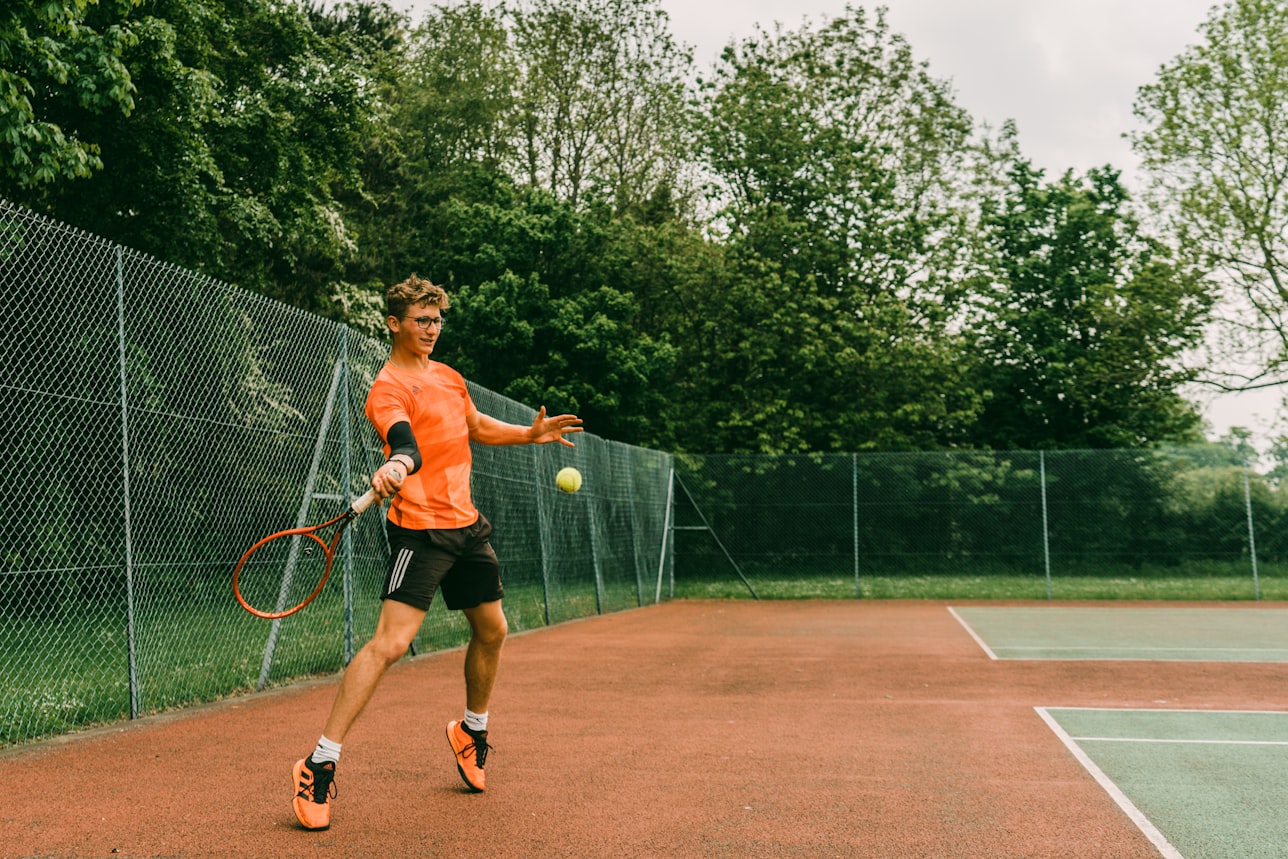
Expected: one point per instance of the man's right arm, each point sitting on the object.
(403, 447)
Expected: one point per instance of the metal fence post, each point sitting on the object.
(636, 555)
(666, 537)
(301, 518)
(1252, 537)
(543, 528)
(854, 505)
(1046, 531)
(592, 511)
(131, 659)
(346, 489)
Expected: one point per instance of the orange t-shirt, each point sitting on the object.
(436, 403)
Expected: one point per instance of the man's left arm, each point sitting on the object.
(488, 430)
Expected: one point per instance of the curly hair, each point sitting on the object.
(412, 291)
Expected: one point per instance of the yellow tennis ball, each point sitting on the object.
(568, 479)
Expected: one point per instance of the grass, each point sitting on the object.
(1199, 579)
(988, 587)
(63, 673)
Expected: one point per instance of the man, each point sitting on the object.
(437, 539)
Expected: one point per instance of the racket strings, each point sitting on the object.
(286, 571)
(283, 572)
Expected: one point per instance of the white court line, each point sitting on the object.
(1017, 652)
(1142, 822)
(1173, 710)
(1086, 653)
(1192, 742)
(1020, 657)
(1176, 649)
(971, 632)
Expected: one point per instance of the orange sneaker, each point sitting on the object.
(471, 754)
(314, 786)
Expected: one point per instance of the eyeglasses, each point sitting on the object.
(427, 322)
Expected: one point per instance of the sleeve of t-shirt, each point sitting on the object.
(469, 402)
(386, 406)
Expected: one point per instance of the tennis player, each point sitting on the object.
(437, 539)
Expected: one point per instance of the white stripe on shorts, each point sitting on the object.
(400, 569)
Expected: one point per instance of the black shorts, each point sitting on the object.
(458, 561)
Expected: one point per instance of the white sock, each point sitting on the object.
(476, 722)
(326, 751)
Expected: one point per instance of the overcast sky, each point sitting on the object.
(1066, 71)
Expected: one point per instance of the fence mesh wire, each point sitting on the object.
(157, 422)
(1169, 523)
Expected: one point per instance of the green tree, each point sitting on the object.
(539, 315)
(577, 353)
(245, 122)
(448, 97)
(1278, 473)
(1214, 148)
(561, 301)
(836, 157)
(601, 99)
(1082, 321)
(458, 92)
(55, 63)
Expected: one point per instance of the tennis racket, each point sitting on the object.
(284, 572)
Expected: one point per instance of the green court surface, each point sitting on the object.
(1199, 784)
(1111, 632)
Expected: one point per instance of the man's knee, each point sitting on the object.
(492, 634)
(395, 631)
(488, 624)
(388, 648)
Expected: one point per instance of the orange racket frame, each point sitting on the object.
(359, 505)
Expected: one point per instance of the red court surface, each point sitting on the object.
(689, 729)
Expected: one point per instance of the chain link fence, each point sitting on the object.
(1167, 523)
(157, 422)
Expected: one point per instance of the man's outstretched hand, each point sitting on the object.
(547, 429)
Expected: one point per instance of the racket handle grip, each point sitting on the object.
(366, 500)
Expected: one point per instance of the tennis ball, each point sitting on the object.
(568, 479)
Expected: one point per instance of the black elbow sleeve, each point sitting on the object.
(402, 441)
